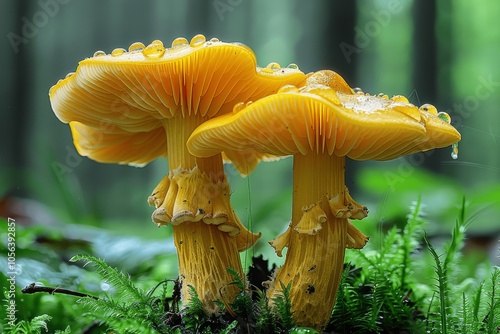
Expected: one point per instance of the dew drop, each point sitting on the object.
(179, 41)
(154, 50)
(248, 103)
(429, 108)
(293, 66)
(400, 98)
(105, 286)
(157, 41)
(197, 40)
(118, 52)
(273, 66)
(444, 116)
(99, 53)
(137, 46)
(288, 88)
(383, 96)
(358, 90)
(238, 107)
(69, 74)
(214, 40)
(454, 151)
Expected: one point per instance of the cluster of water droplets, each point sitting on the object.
(274, 67)
(432, 110)
(156, 49)
(445, 118)
(429, 108)
(395, 98)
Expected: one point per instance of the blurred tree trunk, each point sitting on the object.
(338, 37)
(425, 63)
(445, 51)
(425, 50)
(20, 87)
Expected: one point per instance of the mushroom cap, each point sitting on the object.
(319, 118)
(116, 103)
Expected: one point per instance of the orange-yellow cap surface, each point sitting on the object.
(116, 102)
(322, 119)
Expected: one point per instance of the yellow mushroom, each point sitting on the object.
(320, 124)
(130, 107)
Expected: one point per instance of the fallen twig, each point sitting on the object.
(33, 288)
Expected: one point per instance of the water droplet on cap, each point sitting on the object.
(429, 108)
(179, 41)
(154, 50)
(99, 53)
(137, 46)
(288, 88)
(273, 66)
(454, 151)
(248, 103)
(238, 107)
(197, 40)
(214, 40)
(400, 98)
(357, 90)
(444, 116)
(293, 66)
(383, 96)
(69, 74)
(118, 52)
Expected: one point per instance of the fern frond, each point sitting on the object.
(34, 326)
(67, 330)
(477, 304)
(283, 306)
(412, 233)
(131, 310)
(237, 279)
(193, 314)
(125, 288)
(442, 288)
(266, 320)
(493, 317)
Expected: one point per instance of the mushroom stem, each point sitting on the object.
(204, 254)
(178, 129)
(315, 176)
(204, 251)
(316, 240)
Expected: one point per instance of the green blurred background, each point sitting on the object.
(441, 52)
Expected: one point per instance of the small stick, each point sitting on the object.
(33, 288)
